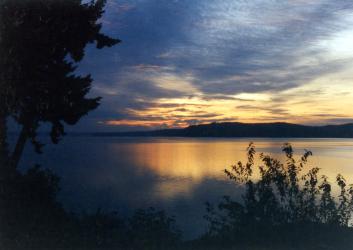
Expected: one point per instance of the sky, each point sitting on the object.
(184, 62)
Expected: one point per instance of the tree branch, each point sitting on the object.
(20, 145)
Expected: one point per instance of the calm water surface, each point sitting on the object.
(175, 174)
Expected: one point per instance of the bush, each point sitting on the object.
(32, 218)
(30, 215)
(282, 206)
(151, 229)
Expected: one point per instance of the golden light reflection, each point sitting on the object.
(182, 164)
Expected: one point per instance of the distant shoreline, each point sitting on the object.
(241, 130)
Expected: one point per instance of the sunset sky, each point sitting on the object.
(186, 62)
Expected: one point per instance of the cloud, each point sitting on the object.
(270, 109)
(213, 50)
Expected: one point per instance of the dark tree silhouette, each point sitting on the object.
(41, 41)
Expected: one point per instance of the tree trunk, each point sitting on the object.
(20, 145)
(4, 153)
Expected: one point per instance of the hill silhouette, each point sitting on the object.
(237, 129)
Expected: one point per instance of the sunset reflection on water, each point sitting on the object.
(175, 174)
(183, 163)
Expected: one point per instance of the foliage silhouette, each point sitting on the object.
(153, 229)
(31, 218)
(29, 213)
(41, 42)
(283, 206)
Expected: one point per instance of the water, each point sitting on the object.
(175, 174)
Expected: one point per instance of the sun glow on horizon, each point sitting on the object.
(330, 105)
